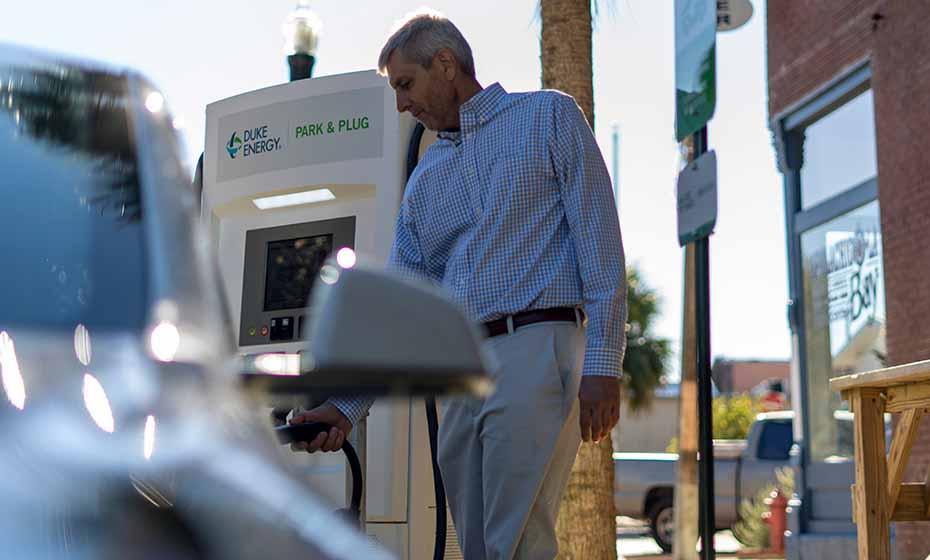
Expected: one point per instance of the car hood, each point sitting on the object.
(101, 401)
(108, 453)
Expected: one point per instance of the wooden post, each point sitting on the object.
(927, 494)
(901, 443)
(686, 486)
(872, 508)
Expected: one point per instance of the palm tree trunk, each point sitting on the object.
(566, 51)
(586, 526)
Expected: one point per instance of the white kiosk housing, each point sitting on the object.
(293, 173)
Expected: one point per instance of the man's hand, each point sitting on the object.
(599, 398)
(327, 441)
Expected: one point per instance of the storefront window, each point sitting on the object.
(839, 151)
(844, 314)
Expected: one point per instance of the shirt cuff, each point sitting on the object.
(354, 408)
(603, 362)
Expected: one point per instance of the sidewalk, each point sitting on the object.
(722, 556)
(634, 543)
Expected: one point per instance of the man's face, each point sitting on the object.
(428, 94)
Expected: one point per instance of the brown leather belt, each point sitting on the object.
(562, 314)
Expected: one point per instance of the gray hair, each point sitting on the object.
(420, 36)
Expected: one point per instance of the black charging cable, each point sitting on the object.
(292, 433)
(432, 414)
(432, 423)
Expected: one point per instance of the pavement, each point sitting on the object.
(634, 542)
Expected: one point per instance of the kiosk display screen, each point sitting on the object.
(281, 265)
(291, 269)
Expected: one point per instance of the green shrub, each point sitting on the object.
(733, 415)
(751, 530)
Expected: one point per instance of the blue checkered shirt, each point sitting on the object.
(515, 212)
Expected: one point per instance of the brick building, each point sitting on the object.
(743, 376)
(849, 108)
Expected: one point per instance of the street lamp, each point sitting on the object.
(301, 35)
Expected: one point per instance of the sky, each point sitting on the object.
(200, 52)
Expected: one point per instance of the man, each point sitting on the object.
(511, 210)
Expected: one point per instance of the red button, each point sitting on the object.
(264, 331)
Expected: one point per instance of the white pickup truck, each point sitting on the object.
(644, 482)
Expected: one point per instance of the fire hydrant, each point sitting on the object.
(777, 520)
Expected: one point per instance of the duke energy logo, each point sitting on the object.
(253, 141)
(233, 146)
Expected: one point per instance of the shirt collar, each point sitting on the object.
(485, 103)
(453, 136)
(478, 110)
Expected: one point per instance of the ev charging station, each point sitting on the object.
(292, 174)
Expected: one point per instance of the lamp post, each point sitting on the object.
(301, 35)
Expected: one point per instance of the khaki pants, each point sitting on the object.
(505, 460)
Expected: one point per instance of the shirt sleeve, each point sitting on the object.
(406, 260)
(591, 212)
(353, 408)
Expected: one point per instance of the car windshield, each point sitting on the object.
(72, 247)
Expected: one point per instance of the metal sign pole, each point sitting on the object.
(696, 23)
(705, 411)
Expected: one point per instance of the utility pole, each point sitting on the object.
(686, 485)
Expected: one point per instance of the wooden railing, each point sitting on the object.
(880, 495)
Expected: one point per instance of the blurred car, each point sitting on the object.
(123, 430)
(644, 483)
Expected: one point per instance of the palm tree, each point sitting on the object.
(646, 356)
(586, 526)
